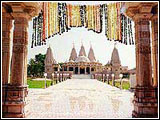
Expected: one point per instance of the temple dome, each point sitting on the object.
(71, 61)
(82, 59)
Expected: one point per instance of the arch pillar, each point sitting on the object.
(17, 90)
(15, 93)
(6, 41)
(90, 69)
(154, 25)
(73, 70)
(145, 101)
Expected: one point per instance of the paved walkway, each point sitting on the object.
(79, 98)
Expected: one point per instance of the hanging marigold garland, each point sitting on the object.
(83, 15)
(98, 18)
(94, 18)
(74, 16)
(118, 27)
(57, 18)
(33, 34)
(44, 23)
(37, 38)
(118, 22)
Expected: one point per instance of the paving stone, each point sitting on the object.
(79, 98)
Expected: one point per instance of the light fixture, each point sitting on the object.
(45, 74)
(52, 74)
(112, 75)
(120, 75)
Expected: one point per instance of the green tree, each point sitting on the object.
(36, 66)
(61, 65)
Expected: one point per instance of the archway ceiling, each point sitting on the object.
(32, 8)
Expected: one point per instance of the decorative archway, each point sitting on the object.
(14, 93)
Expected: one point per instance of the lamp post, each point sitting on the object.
(53, 77)
(113, 82)
(62, 77)
(121, 75)
(68, 75)
(108, 78)
(95, 76)
(103, 77)
(45, 75)
(58, 77)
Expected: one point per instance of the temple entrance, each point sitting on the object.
(88, 70)
(76, 70)
(92, 69)
(70, 68)
(65, 68)
(82, 71)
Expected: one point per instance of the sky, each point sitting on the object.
(62, 45)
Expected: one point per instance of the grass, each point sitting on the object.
(125, 84)
(38, 83)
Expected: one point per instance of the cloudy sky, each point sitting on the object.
(62, 45)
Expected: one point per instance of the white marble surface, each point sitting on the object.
(79, 98)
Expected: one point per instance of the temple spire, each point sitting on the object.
(73, 54)
(49, 59)
(82, 51)
(115, 44)
(91, 55)
(73, 44)
(115, 60)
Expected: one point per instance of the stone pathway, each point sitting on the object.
(79, 98)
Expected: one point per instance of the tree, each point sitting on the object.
(36, 66)
(60, 64)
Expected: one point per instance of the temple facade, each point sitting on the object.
(82, 64)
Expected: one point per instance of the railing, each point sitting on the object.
(103, 77)
(58, 77)
(108, 78)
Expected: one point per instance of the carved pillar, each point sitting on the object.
(145, 102)
(154, 23)
(20, 43)
(73, 70)
(90, 69)
(17, 90)
(6, 41)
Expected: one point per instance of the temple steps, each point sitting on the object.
(81, 76)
